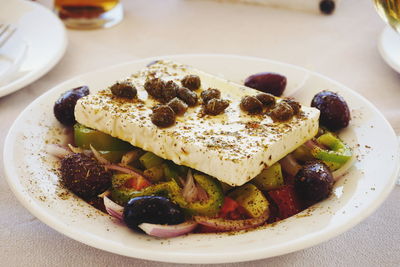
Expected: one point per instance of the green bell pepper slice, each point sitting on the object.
(339, 152)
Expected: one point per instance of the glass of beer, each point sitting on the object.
(89, 14)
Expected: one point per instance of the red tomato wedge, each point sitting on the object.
(287, 201)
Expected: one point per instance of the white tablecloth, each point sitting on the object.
(342, 46)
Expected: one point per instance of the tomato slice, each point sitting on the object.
(137, 183)
(287, 201)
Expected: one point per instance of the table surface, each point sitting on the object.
(342, 46)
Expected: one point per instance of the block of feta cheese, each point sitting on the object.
(233, 146)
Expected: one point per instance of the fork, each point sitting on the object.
(6, 31)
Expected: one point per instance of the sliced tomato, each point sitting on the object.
(138, 183)
(232, 210)
(287, 201)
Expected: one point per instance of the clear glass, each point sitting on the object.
(89, 14)
(389, 10)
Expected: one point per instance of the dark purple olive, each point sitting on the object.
(65, 105)
(335, 113)
(314, 181)
(152, 209)
(267, 82)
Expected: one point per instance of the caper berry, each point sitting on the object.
(124, 89)
(191, 82)
(215, 106)
(155, 87)
(163, 116)
(178, 106)
(282, 112)
(209, 94)
(187, 96)
(294, 104)
(251, 104)
(266, 99)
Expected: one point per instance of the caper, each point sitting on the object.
(155, 87)
(282, 112)
(187, 96)
(215, 106)
(266, 99)
(251, 104)
(294, 104)
(191, 82)
(170, 91)
(163, 116)
(209, 94)
(178, 106)
(124, 89)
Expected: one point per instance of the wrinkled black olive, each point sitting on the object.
(65, 105)
(282, 112)
(191, 82)
(294, 104)
(124, 89)
(84, 175)
(155, 87)
(209, 94)
(151, 209)
(267, 82)
(187, 96)
(335, 113)
(314, 181)
(178, 106)
(266, 99)
(251, 104)
(163, 116)
(327, 6)
(215, 106)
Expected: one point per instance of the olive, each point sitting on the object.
(187, 96)
(84, 175)
(215, 106)
(65, 105)
(251, 104)
(282, 112)
(191, 82)
(163, 116)
(266, 99)
(170, 91)
(294, 104)
(335, 113)
(327, 6)
(155, 87)
(267, 82)
(209, 94)
(124, 89)
(314, 181)
(178, 106)
(151, 209)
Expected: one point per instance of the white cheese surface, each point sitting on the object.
(233, 147)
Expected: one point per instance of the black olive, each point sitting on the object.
(178, 106)
(170, 91)
(266, 99)
(124, 89)
(251, 104)
(187, 96)
(314, 181)
(65, 105)
(191, 82)
(335, 113)
(281, 112)
(215, 106)
(327, 6)
(267, 82)
(294, 104)
(151, 209)
(163, 116)
(155, 87)
(84, 175)
(209, 94)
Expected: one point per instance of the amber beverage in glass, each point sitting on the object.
(89, 14)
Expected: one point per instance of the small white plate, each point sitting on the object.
(31, 176)
(43, 35)
(389, 47)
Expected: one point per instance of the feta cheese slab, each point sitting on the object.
(233, 147)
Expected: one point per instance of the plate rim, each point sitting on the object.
(388, 31)
(187, 257)
(36, 74)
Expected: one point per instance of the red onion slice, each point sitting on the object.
(126, 170)
(98, 156)
(165, 231)
(231, 225)
(290, 165)
(57, 150)
(129, 157)
(113, 208)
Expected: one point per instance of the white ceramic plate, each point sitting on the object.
(357, 195)
(388, 45)
(43, 35)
